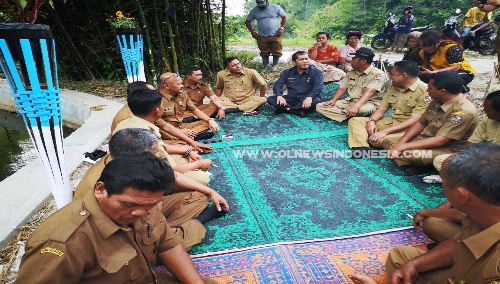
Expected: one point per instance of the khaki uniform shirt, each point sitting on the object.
(175, 107)
(413, 100)
(455, 119)
(356, 84)
(487, 131)
(80, 244)
(477, 254)
(91, 176)
(241, 88)
(198, 93)
(125, 113)
(137, 122)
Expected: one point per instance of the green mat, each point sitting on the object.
(283, 183)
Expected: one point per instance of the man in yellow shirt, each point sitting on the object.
(473, 21)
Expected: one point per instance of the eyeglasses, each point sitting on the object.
(175, 75)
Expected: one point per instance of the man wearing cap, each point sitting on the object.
(404, 28)
(304, 84)
(270, 30)
(365, 85)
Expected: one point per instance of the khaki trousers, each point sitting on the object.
(339, 110)
(438, 161)
(419, 157)
(358, 136)
(208, 109)
(199, 176)
(200, 126)
(439, 229)
(249, 105)
(401, 255)
(270, 45)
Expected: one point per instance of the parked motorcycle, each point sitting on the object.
(481, 41)
(384, 39)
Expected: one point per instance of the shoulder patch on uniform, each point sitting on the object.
(52, 251)
(377, 78)
(427, 99)
(68, 224)
(456, 119)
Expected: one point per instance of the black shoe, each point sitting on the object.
(210, 213)
(279, 111)
(189, 119)
(232, 110)
(94, 156)
(300, 113)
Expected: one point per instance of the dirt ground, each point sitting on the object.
(11, 255)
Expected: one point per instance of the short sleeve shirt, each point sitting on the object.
(198, 93)
(356, 83)
(487, 131)
(476, 258)
(331, 52)
(239, 88)
(347, 52)
(175, 106)
(475, 16)
(268, 21)
(413, 100)
(125, 113)
(80, 244)
(456, 119)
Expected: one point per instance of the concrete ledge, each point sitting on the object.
(26, 190)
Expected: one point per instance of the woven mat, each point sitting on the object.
(327, 261)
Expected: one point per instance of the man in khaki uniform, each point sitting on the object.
(147, 108)
(473, 255)
(173, 135)
(112, 235)
(365, 85)
(188, 199)
(196, 89)
(238, 85)
(447, 123)
(176, 102)
(408, 100)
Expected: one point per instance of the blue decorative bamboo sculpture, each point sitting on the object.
(132, 50)
(28, 60)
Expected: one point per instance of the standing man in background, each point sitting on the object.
(404, 28)
(270, 31)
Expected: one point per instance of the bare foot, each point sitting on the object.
(361, 279)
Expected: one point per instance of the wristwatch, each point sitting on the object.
(223, 108)
(282, 28)
(371, 119)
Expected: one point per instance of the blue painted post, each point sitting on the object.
(132, 50)
(28, 60)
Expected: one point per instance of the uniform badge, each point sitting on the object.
(308, 80)
(456, 119)
(428, 99)
(51, 250)
(377, 78)
(180, 103)
(432, 112)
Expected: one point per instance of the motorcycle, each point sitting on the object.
(384, 39)
(481, 41)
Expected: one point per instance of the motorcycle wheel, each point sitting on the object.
(381, 43)
(486, 46)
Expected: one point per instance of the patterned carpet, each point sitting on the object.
(328, 261)
(283, 182)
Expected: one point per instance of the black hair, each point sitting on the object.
(429, 38)
(228, 60)
(136, 86)
(189, 70)
(407, 66)
(132, 140)
(476, 168)
(143, 101)
(297, 53)
(143, 172)
(447, 80)
(494, 97)
(323, 33)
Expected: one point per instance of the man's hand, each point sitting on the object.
(330, 103)
(255, 35)
(194, 156)
(213, 125)
(189, 132)
(417, 219)
(352, 111)
(279, 32)
(395, 151)
(445, 205)
(204, 164)
(317, 45)
(221, 114)
(426, 72)
(200, 147)
(371, 127)
(281, 101)
(306, 104)
(375, 138)
(407, 273)
(218, 201)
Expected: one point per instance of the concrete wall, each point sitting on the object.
(25, 191)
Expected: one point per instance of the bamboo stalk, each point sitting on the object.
(223, 29)
(148, 40)
(171, 37)
(160, 38)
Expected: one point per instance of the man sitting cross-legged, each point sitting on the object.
(408, 100)
(448, 122)
(147, 107)
(472, 186)
(196, 89)
(365, 85)
(174, 134)
(304, 84)
(176, 102)
(238, 85)
(115, 234)
(186, 201)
